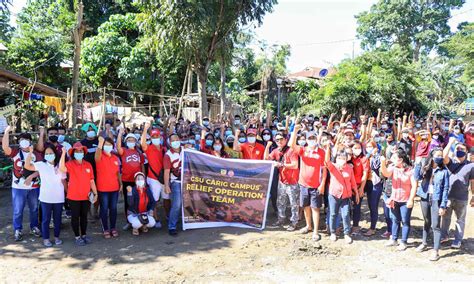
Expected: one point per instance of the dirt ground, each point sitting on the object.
(225, 255)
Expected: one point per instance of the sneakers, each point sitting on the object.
(127, 227)
(173, 232)
(47, 243)
(456, 244)
(305, 230)
(35, 231)
(402, 246)
(58, 241)
(291, 227)
(348, 239)
(421, 248)
(434, 256)
(158, 225)
(18, 236)
(80, 242)
(87, 239)
(391, 243)
(316, 237)
(333, 237)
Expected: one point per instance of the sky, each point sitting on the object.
(321, 32)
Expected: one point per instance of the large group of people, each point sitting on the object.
(328, 164)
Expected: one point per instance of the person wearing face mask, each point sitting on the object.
(423, 137)
(402, 197)
(301, 141)
(267, 137)
(361, 173)
(132, 162)
(286, 160)
(341, 189)
(141, 205)
(206, 142)
(461, 177)
(172, 177)
(80, 185)
(25, 184)
(192, 141)
(373, 186)
(406, 142)
(109, 184)
(469, 136)
(436, 140)
(52, 192)
(155, 178)
(433, 191)
(206, 124)
(456, 133)
(218, 149)
(229, 148)
(250, 149)
(52, 134)
(311, 180)
(62, 138)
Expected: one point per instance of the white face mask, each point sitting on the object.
(251, 140)
(24, 144)
(130, 145)
(435, 137)
(266, 137)
(90, 134)
(140, 183)
(357, 152)
(340, 162)
(405, 135)
(311, 143)
(301, 142)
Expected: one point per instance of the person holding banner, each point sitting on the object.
(172, 178)
(251, 150)
(154, 154)
(312, 178)
(286, 160)
(141, 205)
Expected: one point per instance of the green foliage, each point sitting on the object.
(239, 95)
(42, 41)
(5, 28)
(276, 61)
(415, 26)
(304, 93)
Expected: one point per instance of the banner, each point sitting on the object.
(224, 192)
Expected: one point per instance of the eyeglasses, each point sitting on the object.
(278, 139)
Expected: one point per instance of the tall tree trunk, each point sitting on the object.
(202, 89)
(78, 33)
(162, 93)
(190, 81)
(223, 80)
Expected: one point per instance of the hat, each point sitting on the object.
(155, 133)
(130, 135)
(252, 131)
(310, 134)
(229, 137)
(349, 130)
(86, 126)
(77, 146)
(137, 174)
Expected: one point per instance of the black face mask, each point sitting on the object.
(53, 138)
(230, 144)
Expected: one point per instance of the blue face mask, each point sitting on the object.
(438, 161)
(175, 144)
(209, 142)
(108, 148)
(242, 139)
(228, 132)
(274, 132)
(460, 154)
(198, 137)
(49, 157)
(78, 156)
(205, 123)
(192, 141)
(61, 138)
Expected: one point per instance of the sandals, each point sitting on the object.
(369, 233)
(145, 229)
(107, 235)
(135, 232)
(114, 233)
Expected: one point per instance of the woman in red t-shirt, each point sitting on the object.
(109, 184)
(218, 149)
(361, 172)
(81, 182)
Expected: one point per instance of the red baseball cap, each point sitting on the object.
(155, 133)
(252, 131)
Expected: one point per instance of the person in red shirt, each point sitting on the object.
(154, 153)
(141, 202)
(132, 163)
(341, 187)
(361, 168)
(251, 150)
(81, 182)
(207, 140)
(312, 178)
(218, 149)
(286, 160)
(109, 184)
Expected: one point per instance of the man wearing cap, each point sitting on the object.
(461, 178)
(312, 178)
(286, 160)
(155, 180)
(250, 149)
(406, 142)
(25, 184)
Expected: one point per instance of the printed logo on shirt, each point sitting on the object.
(116, 163)
(345, 175)
(132, 158)
(257, 152)
(88, 171)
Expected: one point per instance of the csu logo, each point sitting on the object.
(132, 158)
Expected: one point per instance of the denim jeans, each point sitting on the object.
(334, 205)
(373, 199)
(459, 207)
(108, 209)
(401, 214)
(19, 199)
(387, 213)
(432, 221)
(48, 209)
(176, 204)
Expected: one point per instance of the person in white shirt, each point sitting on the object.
(53, 183)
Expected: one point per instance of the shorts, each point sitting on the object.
(310, 197)
(157, 189)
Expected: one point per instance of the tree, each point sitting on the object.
(199, 28)
(5, 28)
(416, 26)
